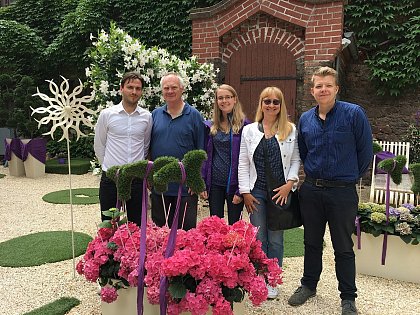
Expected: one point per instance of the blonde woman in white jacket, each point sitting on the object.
(279, 134)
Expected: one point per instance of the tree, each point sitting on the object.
(388, 34)
(16, 101)
(44, 17)
(21, 50)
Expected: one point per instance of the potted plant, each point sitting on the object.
(396, 239)
(213, 265)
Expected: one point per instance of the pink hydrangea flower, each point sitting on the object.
(209, 257)
(109, 294)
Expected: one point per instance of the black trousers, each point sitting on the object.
(158, 212)
(336, 206)
(217, 197)
(108, 198)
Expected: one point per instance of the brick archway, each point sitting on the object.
(265, 35)
(310, 29)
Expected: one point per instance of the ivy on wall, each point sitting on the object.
(388, 35)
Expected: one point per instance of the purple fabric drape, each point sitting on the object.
(37, 147)
(170, 247)
(142, 257)
(15, 146)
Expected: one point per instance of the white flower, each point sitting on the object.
(103, 36)
(88, 72)
(103, 87)
(152, 64)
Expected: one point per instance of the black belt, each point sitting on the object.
(328, 183)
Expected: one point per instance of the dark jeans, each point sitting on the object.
(336, 206)
(108, 198)
(217, 197)
(158, 212)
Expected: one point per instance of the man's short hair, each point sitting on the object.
(132, 75)
(323, 72)
(181, 81)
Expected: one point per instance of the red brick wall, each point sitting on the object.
(310, 29)
(322, 22)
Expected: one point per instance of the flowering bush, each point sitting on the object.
(213, 265)
(115, 53)
(404, 221)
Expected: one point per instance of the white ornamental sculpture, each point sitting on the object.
(66, 111)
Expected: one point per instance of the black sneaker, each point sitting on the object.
(348, 307)
(301, 295)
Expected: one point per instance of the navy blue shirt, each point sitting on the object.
(339, 148)
(274, 161)
(175, 137)
(221, 158)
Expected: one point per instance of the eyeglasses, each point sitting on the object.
(227, 97)
(268, 102)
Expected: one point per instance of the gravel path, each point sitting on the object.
(23, 289)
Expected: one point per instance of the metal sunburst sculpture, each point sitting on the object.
(66, 111)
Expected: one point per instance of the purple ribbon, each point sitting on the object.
(358, 232)
(142, 257)
(13, 147)
(387, 197)
(37, 147)
(118, 205)
(170, 247)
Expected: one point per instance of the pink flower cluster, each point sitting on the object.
(208, 261)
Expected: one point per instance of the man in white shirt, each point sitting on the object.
(122, 135)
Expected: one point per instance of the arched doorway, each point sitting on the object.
(256, 66)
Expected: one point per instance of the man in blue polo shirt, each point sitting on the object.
(177, 128)
(335, 146)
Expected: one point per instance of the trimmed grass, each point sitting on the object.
(78, 166)
(80, 196)
(293, 243)
(41, 248)
(58, 307)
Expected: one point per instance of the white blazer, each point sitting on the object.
(251, 137)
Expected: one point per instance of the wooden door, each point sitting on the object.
(256, 66)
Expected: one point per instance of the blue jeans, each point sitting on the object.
(272, 241)
(217, 197)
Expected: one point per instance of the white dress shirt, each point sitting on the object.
(122, 138)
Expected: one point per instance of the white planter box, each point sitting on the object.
(402, 260)
(126, 304)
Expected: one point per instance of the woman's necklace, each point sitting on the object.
(268, 131)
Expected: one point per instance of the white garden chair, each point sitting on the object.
(399, 194)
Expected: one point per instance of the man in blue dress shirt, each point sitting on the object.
(335, 145)
(177, 128)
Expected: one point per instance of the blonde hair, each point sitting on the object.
(238, 115)
(323, 72)
(282, 127)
